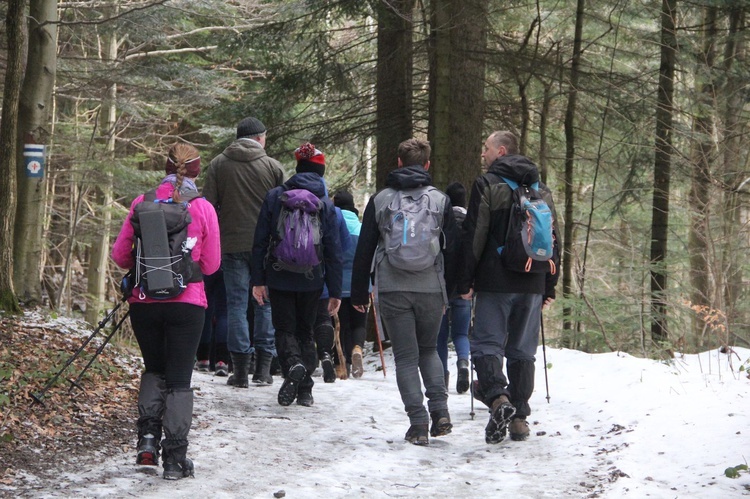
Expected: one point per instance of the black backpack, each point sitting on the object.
(163, 253)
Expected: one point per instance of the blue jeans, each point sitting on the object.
(236, 267)
(456, 321)
(412, 321)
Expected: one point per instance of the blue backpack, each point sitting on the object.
(298, 238)
(530, 243)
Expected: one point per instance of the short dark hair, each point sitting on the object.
(414, 152)
(506, 139)
(457, 194)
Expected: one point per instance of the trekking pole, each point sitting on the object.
(74, 383)
(471, 373)
(544, 355)
(378, 328)
(37, 398)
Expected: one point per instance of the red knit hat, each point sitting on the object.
(309, 159)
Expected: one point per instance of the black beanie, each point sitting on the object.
(457, 194)
(250, 127)
(345, 201)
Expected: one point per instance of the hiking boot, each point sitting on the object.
(441, 423)
(148, 451)
(203, 366)
(262, 375)
(462, 383)
(288, 390)
(417, 435)
(329, 372)
(174, 470)
(222, 369)
(357, 367)
(242, 364)
(501, 413)
(519, 429)
(305, 398)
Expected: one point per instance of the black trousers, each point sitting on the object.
(293, 315)
(168, 335)
(353, 328)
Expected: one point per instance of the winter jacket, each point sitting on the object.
(328, 272)
(236, 184)
(436, 279)
(345, 246)
(485, 227)
(206, 252)
(354, 226)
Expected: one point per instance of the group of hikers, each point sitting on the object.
(275, 260)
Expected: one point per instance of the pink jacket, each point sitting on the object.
(207, 251)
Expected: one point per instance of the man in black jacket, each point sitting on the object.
(508, 303)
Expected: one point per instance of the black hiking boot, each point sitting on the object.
(462, 383)
(148, 451)
(305, 398)
(501, 413)
(441, 423)
(174, 470)
(288, 391)
(417, 435)
(329, 373)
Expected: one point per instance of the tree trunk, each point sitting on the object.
(457, 67)
(99, 254)
(33, 119)
(394, 83)
(662, 174)
(703, 148)
(15, 30)
(570, 150)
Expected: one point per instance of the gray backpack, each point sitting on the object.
(410, 224)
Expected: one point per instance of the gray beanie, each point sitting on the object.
(250, 127)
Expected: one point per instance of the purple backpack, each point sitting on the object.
(298, 233)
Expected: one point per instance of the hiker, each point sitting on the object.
(236, 184)
(457, 318)
(409, 229)
(352, 322)
(508, 302)
(168, 330)
(291, 271)
(212, 350)
(323, 331)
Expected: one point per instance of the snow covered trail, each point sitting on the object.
(616, 426)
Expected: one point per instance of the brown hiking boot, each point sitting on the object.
(357, 367)
(519, 429)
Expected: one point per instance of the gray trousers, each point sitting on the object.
(412, 321)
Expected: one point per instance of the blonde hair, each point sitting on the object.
(179, 154)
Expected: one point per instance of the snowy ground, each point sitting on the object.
(615, 426)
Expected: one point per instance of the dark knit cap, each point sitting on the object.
(310, 159)
(457, 194)
(250, 127)
(345, 201)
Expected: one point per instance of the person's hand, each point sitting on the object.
(260, 293)
(547, 303)
(333, 305)
(360, 308)
(468, 295)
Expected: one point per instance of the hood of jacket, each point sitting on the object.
(307, 180)
(408, 177)
(244, 150)
(518, 168)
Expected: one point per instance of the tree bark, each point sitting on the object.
(662, 174)
(570, 151)
(394, 83)
(457, 69)
(33, 119)
(15, 32)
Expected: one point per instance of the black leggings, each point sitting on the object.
(168, 335)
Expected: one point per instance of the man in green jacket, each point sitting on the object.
(236, 184)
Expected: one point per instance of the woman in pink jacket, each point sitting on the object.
(169, 330)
